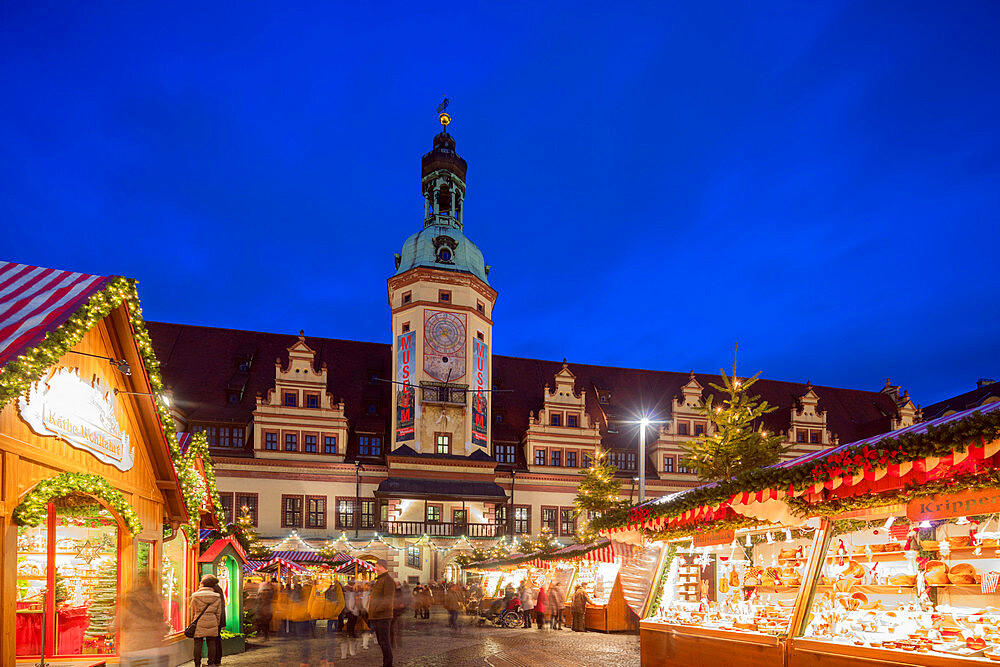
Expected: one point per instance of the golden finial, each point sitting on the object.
(443, 117)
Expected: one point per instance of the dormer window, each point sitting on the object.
(444, 255)
(604, 397)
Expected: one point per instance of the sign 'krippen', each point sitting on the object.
(83, 414)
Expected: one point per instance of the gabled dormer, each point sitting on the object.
(298, 417)
(807, 429)
(562, 433)
(907, 414)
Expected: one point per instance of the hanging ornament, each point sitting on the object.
(963, 521)
(770, 538)
(925, 524)
(888, 523)
(748, 542)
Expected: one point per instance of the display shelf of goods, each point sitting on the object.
(946, 606)
(745, 589)
(103, 604)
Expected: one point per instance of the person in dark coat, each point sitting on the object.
(263, 609)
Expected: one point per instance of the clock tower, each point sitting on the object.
(442, 306)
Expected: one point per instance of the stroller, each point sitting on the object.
(499, 614)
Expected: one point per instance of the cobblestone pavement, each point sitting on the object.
(429, 643)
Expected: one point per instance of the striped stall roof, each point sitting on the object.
(349, 566)
(300, 556)
(35, 301)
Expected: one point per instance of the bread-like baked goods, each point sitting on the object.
(903, 579)
(929, 545)
(854, 569)
(962, 579)
(959, 541)
(962, 568)
(788, 553)
(936, 572)
(734, 579)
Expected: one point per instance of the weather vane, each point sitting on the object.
(443, 116)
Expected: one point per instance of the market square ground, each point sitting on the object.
(432, 644)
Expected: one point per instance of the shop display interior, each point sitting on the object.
(84, 548)
(749, 585)
(929, 591)
(597, 579)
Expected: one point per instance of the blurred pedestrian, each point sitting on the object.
(206, 607)
(350, 643)
(264, 608)
(380, 609)
(528, 603)
(579, 609)
(452, 604)
(402, 601)
(542, 609)
(557, 600)
(142, 627)
(364, 626)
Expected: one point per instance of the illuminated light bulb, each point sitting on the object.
(925, 524)
(748, 542)
(962, 521)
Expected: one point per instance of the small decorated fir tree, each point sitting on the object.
(736, 440)
(246, 535)
(104, 600)
(545, 541)
(596, 494)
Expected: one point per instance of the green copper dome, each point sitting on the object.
(442, 247)
(441, 243)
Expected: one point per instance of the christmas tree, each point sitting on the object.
(545, 541)
(103, 600)
(596, 494)
(736, 440)
(246, 535)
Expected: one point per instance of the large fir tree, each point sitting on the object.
(736, 440)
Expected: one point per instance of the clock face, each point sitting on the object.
(444, 345)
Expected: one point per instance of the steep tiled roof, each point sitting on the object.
(969, 399)
(199, 362)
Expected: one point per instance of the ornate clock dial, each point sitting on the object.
(444, 345)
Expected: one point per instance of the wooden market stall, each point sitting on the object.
(90, 470)
(595, 567)
(880, 552)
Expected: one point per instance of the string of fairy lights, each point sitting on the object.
(461, 543)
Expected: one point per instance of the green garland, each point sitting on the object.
(33, 509)
(664, 574)
(19, 374)
(937, 441)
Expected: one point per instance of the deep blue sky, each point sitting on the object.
(819, 181)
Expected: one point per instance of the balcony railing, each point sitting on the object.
(440, 529)
(443, 393)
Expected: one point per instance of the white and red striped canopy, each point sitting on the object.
(35, 300)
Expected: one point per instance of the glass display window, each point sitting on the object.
(927, 587)
(750, 584)
(597, 580)
(68, 572)
(174, 581)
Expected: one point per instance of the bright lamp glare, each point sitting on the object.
(644, 422)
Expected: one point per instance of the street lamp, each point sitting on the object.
(643, 423)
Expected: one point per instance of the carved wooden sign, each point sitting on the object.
(81, 413)
(947, 506)
(713, 538)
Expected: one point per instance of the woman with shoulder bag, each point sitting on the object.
(206, 620)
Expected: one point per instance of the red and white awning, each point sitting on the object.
(35, 300)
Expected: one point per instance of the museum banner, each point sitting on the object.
(480, 400)
(405, 349)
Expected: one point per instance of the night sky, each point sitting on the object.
(650, 183)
